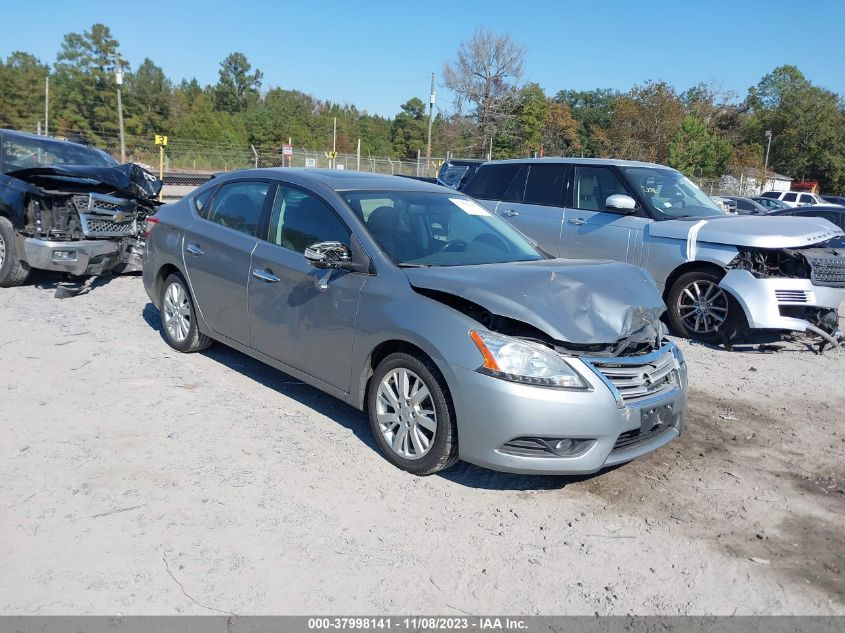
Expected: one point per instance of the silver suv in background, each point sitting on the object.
(719, 273)
(412, 301)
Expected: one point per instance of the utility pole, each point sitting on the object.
(46, 105)
(766, 164)
(358, 156)
(334, 143)
(430, 119)
(118, 76)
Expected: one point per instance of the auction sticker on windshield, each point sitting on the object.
(469, 206)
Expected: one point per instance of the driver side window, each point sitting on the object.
(594, 185)
(300, 219)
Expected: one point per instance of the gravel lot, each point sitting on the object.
(137, 480)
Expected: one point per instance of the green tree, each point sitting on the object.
(593, 111)
(150, 99)
(86, 89)
(237, 86)
(697, 152)
(21, 90)
(409, 130)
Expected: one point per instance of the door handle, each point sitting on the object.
(194, 249)
(510, 213)
(265, 275)
(577, 221)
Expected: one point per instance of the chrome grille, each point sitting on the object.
(793, 296)
(639, 377)
(95, 226)
(106, 216)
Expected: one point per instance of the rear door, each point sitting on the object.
(292, 317)
(217, 249)
(590, 229)
(528, 195)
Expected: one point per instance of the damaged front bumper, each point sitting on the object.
(782, 303)
(633, 406)
(82, 257)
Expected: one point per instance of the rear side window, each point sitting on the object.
(516, 190)
(771, 194)
(545, 184)
(238, 206)
(492, 181)
(807, 198)
(790, 197)
(201, 201)
(744, 205)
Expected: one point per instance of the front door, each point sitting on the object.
(299, 315)
(590, 229)
(217, 249)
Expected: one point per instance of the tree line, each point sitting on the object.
(703, 131)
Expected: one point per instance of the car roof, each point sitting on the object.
(584, 161)
(40, 138)
(340, 179)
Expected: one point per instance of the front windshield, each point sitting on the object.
(438, 229)
(670, 194)
(26, 153)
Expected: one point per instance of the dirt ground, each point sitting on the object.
(136, 480)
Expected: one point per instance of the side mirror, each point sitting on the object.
(620, 202)
(328, 255)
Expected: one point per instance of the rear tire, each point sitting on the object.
(412, 416)
(700, 310)
(178, 317)
(13, 271)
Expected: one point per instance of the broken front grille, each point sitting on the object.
(635, 437)
(106, 216)
(640, 377)
(828, 270)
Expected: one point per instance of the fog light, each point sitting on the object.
(64, 256)
(563, 446)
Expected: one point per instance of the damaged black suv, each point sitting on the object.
(69, 207)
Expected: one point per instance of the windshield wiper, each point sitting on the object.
(403, 265)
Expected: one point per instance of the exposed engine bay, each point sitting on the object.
(75, 203)
(823, 265)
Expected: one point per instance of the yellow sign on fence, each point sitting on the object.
(161, 139)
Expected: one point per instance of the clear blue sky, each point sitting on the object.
(377, 54)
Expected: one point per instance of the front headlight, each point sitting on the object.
(520, 361)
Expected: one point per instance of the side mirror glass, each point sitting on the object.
(328, 255)
(620, 202)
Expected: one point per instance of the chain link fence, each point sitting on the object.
(193, 156)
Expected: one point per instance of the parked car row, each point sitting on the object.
(515, 324)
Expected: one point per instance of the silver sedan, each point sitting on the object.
(458, 336)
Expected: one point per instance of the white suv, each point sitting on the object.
(795, 198)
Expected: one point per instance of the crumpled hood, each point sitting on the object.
(128, 180)
(758, 231)
(575, 301)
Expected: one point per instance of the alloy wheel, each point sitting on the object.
(177, 312)
(2, 251)
(405, 413)
(702, 306)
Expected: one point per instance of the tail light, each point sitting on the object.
(151, 222)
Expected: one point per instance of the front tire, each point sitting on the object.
(13, 272)
(178, 317)
(700, 310)
(411, 415)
